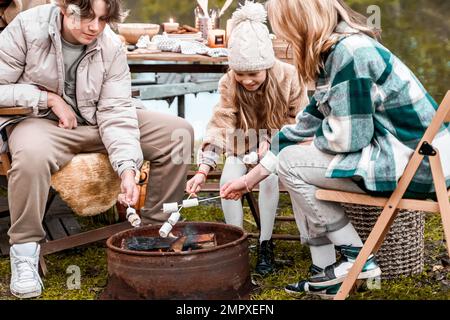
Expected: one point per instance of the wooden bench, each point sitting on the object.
(214, 186)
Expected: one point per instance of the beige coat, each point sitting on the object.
(223, 121)
(31, 64)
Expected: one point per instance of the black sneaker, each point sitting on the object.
(265, 261)
(337, 272)
(302, 286)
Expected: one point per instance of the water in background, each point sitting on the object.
(417, 31)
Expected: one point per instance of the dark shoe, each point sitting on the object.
(337, 272)
(302, 286)
(265, 263)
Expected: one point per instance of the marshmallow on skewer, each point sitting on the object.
(190, 203)
(251, 158)
(170, 207)
(174, 218)
(165, 230)
(133, 217)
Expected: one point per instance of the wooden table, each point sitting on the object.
(176, 62)
(170, 62)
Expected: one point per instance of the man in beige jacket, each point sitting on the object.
(66, 63)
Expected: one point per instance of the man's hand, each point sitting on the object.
(129, 189)
(64, 112)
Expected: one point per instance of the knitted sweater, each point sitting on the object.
(222, 125)
(371, 112)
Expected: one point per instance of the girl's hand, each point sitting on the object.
(234, 190)
(194, 185)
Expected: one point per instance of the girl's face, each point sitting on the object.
(252, 80)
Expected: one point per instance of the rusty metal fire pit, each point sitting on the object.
(218, 273)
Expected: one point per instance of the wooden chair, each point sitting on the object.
(395, 202)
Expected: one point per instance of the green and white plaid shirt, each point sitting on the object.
(371, 112)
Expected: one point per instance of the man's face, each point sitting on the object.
(84, 30)
(251, 81)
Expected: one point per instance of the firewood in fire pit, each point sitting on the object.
(148, 243)
(182, 243)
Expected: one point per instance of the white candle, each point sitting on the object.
(171, 26)
(229, 29)
(216, 38)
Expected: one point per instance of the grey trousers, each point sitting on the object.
(40, 148)
(302, 170)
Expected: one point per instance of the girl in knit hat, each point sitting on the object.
(258, 96)
(365, 119)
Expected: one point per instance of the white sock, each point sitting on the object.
(347, 236)
(25, 249)
(323, 256)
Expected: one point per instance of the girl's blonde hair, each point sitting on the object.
(263, 109)
(309, 26)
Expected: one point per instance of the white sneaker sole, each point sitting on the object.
(370, 274)
(26, 295)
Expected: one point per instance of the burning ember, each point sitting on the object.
(179, 244)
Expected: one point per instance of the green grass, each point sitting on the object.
(293, 260)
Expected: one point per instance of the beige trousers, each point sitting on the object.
(40, 148)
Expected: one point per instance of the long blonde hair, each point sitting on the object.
(309, 26)
(263, 109)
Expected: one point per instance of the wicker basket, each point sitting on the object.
(402, 252)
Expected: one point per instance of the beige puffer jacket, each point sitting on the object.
(31, 63)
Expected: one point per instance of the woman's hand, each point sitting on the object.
(64, 112)
(129, 190)
(194, 185)
(234, 190)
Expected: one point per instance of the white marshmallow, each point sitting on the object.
(251, 158)
(170, 207)
(133, 217)
(190, 203)
(174, 218)
(165, 230)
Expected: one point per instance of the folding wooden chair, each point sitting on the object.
(395, 202)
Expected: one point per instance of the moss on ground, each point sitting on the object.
(293, 260)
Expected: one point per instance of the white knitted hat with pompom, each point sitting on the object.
(250, 45)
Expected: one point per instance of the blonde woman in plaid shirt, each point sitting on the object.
(364, 121)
